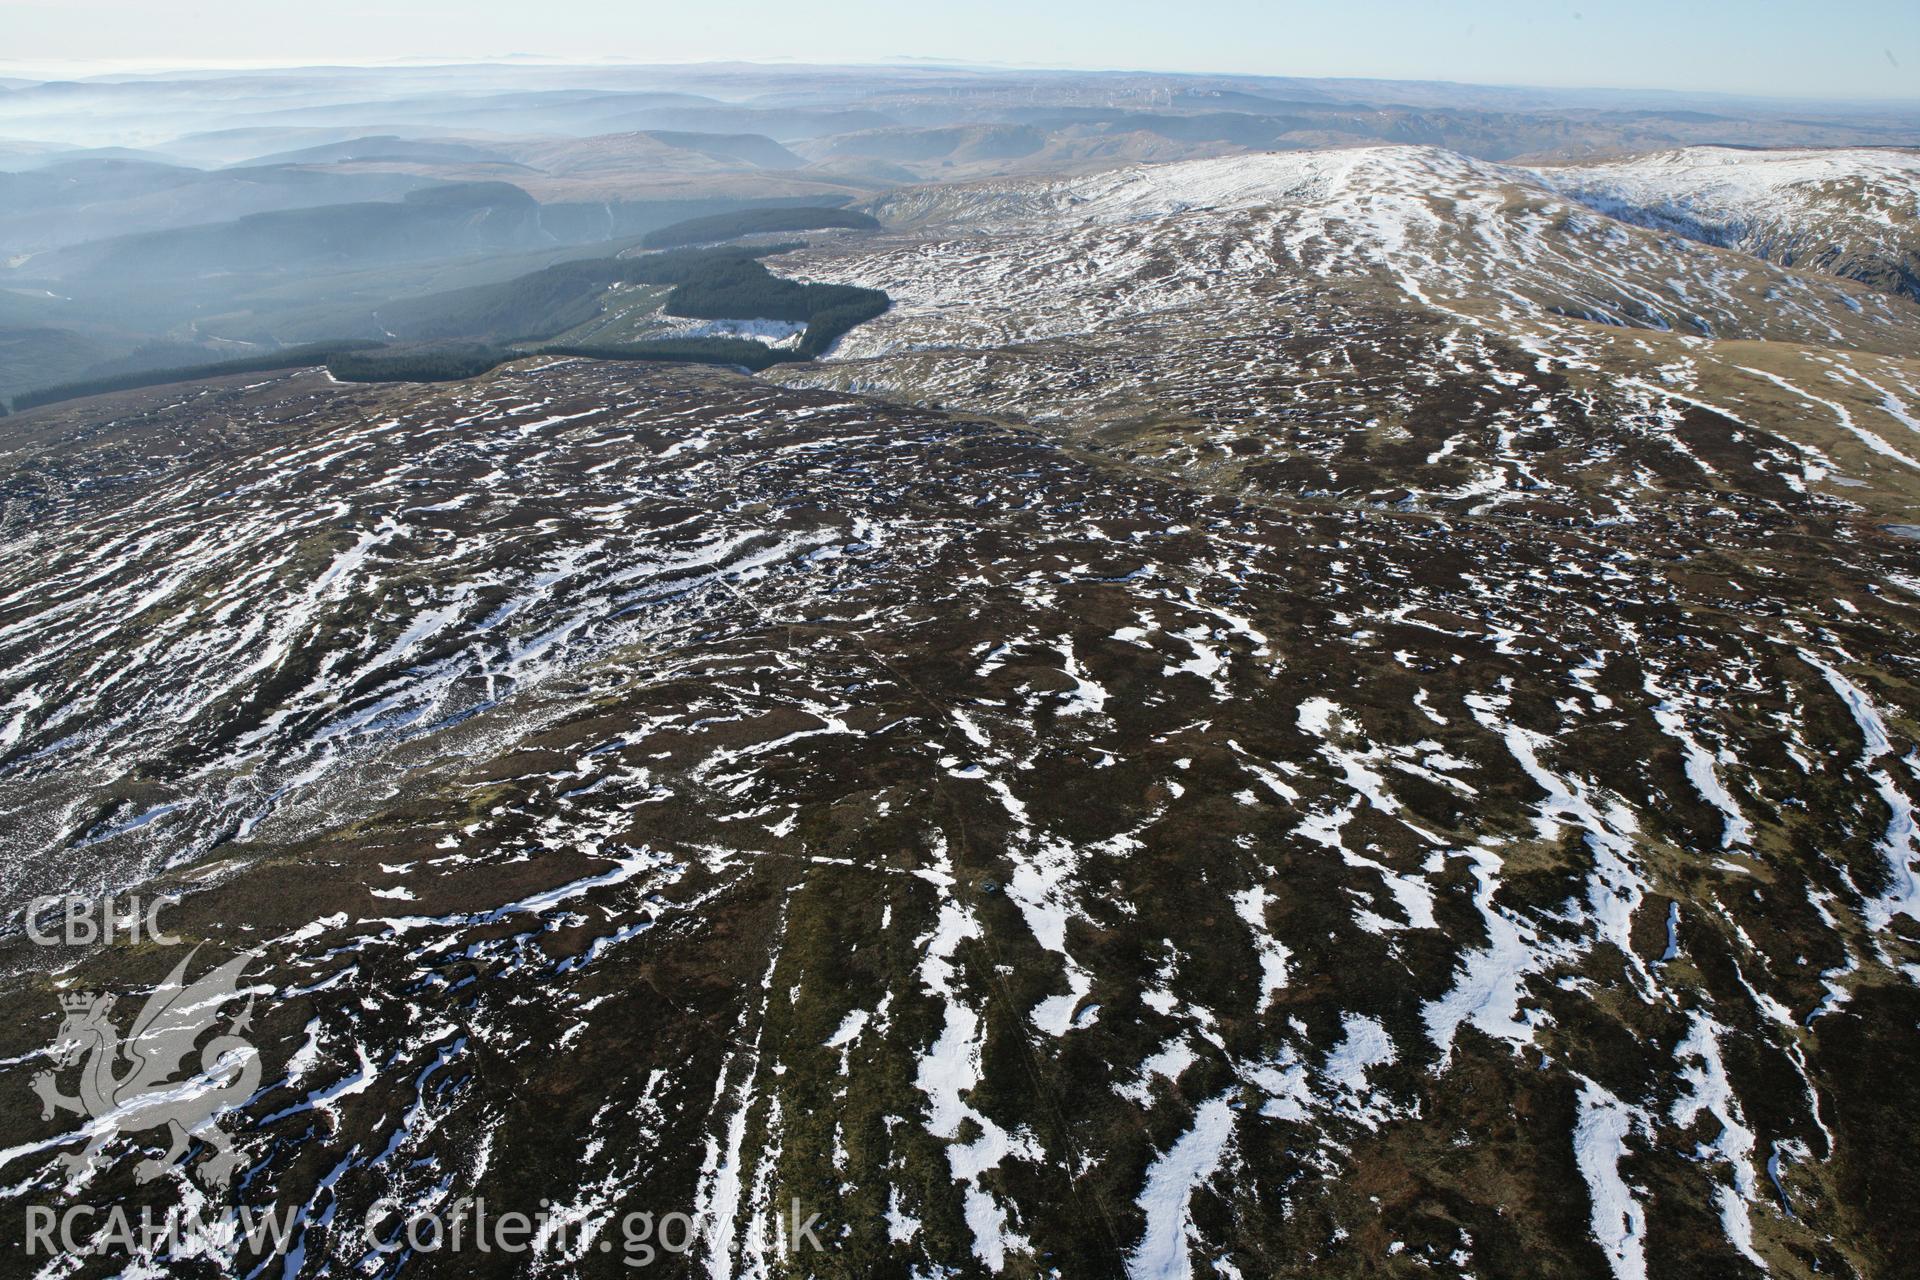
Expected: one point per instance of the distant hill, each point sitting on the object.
(381, 147)
(31, 357)
(441, 221)
(747, 148)
(955, 144)
(70, 201)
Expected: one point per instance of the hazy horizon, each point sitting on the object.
(119, 69)
(1866, 55)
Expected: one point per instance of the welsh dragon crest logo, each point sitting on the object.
(135, 1083)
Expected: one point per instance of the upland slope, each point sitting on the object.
(1240, 730)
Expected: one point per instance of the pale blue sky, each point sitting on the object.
(1853, 48)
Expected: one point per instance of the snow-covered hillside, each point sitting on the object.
(1012, 260)
(1187, 311)
(1852, 212)
(1317, 715)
